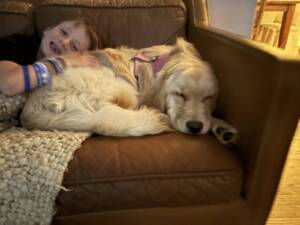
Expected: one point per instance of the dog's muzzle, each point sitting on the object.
(194, 126)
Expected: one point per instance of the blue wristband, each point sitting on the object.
(26, 76)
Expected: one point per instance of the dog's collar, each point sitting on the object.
(157, 63)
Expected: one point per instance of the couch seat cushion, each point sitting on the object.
(171, 169)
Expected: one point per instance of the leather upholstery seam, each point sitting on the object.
(15, 13)
(112, 7)
(159, 176)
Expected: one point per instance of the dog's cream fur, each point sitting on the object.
(107, 99)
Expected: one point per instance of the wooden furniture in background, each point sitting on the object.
(288, 10)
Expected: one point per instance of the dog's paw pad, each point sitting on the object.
(220, 130)
(226, 135)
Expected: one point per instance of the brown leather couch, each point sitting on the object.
(173, 178)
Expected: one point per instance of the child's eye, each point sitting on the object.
(74, 48)
(65, 33)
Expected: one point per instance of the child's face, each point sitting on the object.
(64, 38)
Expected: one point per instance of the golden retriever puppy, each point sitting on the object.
(130, 92)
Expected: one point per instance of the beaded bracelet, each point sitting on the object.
(42, 74)
(56, 63)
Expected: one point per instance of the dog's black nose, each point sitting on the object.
(194, 126)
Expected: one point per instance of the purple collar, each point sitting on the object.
(157, 63)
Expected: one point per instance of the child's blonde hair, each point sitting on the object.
(94, 38)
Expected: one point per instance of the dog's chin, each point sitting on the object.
(192, 133)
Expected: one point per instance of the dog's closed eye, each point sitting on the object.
(181, 95)
(207, 98)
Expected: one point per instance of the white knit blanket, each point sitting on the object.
(32, 165)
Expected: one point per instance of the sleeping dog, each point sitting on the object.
(130, 92)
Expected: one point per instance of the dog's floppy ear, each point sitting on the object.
(185, 46)
(155, 97)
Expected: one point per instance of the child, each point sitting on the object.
(67, 37)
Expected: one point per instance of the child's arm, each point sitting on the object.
(16, 79)
(12, 79)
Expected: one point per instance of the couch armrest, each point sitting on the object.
(260, 95)
(16, 18)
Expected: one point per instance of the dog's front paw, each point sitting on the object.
(224, 132)
(159, 122)
(165, 123)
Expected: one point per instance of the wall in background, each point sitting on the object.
(235, 16)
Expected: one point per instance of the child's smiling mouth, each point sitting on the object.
(54, 48)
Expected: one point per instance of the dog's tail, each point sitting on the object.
(113, 120)
(109, 119)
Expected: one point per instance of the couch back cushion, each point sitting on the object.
(15, 18)
(135, 23)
